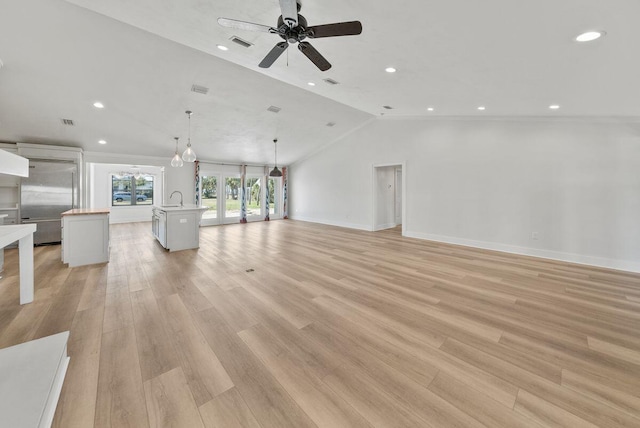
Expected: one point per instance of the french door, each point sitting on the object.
(221, 193)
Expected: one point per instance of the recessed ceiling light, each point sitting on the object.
(102, 142)
(554, 106)
(590, 36)
(390, 70)
(311, 84)
(482, 108)
(430, 109)
(98, 104)
(223, 48)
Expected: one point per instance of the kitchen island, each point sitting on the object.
(85, 236)
(177, 227)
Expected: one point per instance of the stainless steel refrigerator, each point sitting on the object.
(50, 190)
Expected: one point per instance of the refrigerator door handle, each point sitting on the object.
(73, 191)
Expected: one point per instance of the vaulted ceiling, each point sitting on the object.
(140, 58)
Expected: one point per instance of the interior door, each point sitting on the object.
(398, 196)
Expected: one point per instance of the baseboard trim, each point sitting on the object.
(624, 265)
(333, 223)
(385, 226)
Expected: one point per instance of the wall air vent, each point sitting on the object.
(331, 81)
(274, 109)
(199, 89)
(67, 122)
(330, 124)
(243, 43)
(388, 107)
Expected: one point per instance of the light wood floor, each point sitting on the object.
(292, 324)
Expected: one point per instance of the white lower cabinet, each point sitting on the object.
(177, 228)
(85, 237)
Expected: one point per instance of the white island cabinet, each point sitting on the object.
(85, 236)
(177, 228)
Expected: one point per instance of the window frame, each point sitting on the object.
(133, 201)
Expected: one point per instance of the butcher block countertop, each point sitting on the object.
(85, 211)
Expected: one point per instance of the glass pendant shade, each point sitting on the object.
(189, 155)
(275, 172)
(176, 160)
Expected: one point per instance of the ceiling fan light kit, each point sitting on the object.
(292, 28)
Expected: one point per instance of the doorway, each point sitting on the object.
(221, 193)
(389, 199)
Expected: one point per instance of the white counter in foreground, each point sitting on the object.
(32, 374)
(23, 233)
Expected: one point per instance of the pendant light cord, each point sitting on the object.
(189, 138)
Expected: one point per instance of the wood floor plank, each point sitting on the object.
(25, 323)
(620, 352)
(476, 404)
(228, 410)
(546, 414)
(607, 391)
(120, 397)
(205, 374)
(155, 350)
(169, 401)
(117, 310)
(268, 401)
(401, 331)
(578, 404)
(313, 396)
(77, 404)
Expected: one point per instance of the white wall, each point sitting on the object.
(98, 185)
(100, 194)
(490, 184)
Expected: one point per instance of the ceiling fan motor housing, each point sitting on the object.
(295, 34)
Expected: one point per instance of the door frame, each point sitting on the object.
(374, 177)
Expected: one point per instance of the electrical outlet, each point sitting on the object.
(534, 236)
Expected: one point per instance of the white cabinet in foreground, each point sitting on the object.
(85, 236)
(177, 228)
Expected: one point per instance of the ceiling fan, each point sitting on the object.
(293, 28)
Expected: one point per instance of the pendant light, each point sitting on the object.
(275, 172)
(189, 155)
(176, 160)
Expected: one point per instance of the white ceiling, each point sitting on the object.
(140, 58)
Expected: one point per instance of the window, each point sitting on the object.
(122, 189)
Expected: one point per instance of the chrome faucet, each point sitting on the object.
(180, 193)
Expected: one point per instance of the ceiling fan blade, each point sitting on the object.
(315, 57)
(273, 55)
(243, 25)
(289, 10)
(351, 28)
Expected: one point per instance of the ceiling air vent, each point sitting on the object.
(243, 43)
(68, 122)
(330, 124)
(199, 89)
(388, 107)
(274, 109)
(331, 81)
